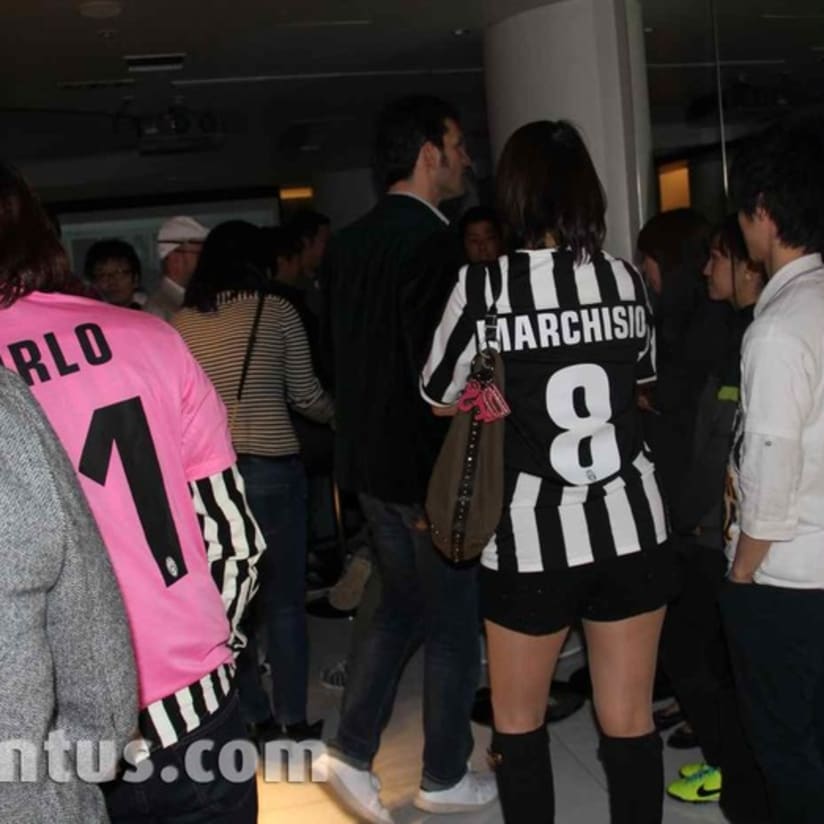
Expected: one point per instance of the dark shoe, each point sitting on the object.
(262, 731)
(303, 731)
(667, 717)
(336, 676)
(683, 738)
(322, 608)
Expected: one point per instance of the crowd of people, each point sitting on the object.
(663, 485)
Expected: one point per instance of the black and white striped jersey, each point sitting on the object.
(576, 339)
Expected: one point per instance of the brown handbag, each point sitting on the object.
(464, 500)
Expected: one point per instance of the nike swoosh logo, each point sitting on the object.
(702, 793)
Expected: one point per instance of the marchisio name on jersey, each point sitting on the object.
(569, 327)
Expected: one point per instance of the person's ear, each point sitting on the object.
(430, 155)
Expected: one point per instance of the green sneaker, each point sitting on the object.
(691, 769)
(699, 788)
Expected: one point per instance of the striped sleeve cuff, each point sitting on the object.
(233, 540)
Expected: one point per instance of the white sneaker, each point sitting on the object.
(474, 790)
(357, 790)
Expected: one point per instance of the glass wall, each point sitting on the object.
(718, 71)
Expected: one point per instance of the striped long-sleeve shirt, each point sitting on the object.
(280, 373)
(233, 544)
(575, 339)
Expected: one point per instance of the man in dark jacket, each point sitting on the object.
(388, 276)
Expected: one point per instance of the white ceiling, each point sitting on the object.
(294, 84)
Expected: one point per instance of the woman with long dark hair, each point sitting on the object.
(583, 531)
(253, 347)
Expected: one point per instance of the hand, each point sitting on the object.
(445, 411)
(738, 576)
(644, 402)
(749, 555)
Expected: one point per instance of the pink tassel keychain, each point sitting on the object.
(482, 395)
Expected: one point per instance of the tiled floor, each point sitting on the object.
(579, 779)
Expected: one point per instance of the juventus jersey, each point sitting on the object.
(575, 339)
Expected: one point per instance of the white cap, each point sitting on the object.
(177, 231)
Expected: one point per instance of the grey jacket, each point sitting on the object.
(65, 654)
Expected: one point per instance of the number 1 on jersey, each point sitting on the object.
(124, 424)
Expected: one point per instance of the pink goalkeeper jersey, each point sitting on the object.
(139, 420)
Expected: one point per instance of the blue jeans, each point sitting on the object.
(424, 600)
(276, 491)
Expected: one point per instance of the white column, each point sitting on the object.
(582, 61)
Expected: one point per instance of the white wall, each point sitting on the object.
(576, 60)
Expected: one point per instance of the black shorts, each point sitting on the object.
(540, 603)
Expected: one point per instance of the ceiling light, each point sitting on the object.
(172, 62)
(297, 193)
(778, 16)
(337, 75)
(321, 24)
(104, 83)
(100, 9)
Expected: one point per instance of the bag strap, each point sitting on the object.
(250, 346)
(493, 273)
(247, 359)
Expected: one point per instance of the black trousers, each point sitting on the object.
(171, 792)
(776, 638)
(696, 659)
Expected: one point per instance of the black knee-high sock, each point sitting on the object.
(635, 776)
(524, 772)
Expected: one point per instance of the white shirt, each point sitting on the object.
(778, 451)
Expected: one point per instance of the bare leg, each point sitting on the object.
(622, 659)
(520, 672)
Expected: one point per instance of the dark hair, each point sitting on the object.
(675, 239)
(230, 261)
(679, 242)
(729, 240)
(306, 224)
(478, 214)
(31, 256)
(547, 184)
(402, 129)
(104, 250)
(781, 170)
(278, 241)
